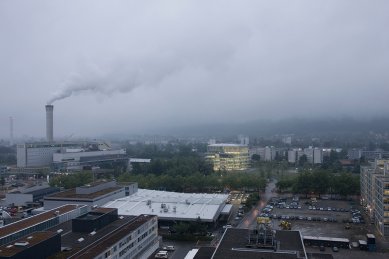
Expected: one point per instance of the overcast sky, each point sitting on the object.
(135, 66)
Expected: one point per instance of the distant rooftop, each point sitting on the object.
(226, 145)
(72, 194)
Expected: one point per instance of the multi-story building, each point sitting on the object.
(229, 157)
(375, 193)
(317, 156)
(367, 154)
(243, 140)
(308, 152)
(292, 156)
(270, 153)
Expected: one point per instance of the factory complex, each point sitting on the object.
(66, 155)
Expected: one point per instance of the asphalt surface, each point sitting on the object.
(249, 219)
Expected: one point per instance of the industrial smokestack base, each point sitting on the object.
(49, 122)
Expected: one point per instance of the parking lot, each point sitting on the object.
(325, 218)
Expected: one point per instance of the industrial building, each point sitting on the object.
(66, 155)
(92, 195)
(72, 232)
(374, 181)
(77, 160)
(30, 196)
(172, 206)
(229, 157)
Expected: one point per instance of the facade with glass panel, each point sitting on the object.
(228, 157)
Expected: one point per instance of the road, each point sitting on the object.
(251, 216)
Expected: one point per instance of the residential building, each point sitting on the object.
(243, 140)
(317, 156)
(375, 193)
(229, 157)
(308, 152)
(270, 153)
(292, 156)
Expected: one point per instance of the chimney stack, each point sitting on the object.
(49, 122)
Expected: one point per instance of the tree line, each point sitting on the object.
(197, 182)
(320, 182)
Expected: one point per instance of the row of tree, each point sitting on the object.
(197, 182)
(72, 180)
(321, 182)
(174, 166)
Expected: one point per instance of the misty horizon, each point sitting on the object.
(136, 67)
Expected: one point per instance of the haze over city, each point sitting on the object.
(144, 66)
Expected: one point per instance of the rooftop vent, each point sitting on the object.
(59, 230)
(92, 233)
(9, 246)
(80, 240)
(30, 237)
(121, 217)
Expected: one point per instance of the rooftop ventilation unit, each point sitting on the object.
(30, 237)
(80, 240)
(92, 233)
(59, 230)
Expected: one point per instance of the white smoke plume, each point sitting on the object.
(117, 77)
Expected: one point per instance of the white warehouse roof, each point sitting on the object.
(171, 205)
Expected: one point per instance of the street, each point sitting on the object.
(251, 216)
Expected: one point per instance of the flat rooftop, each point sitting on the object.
(171, 205)
(28, 222)
(234, 241)
(72, 195)
(104, 238)
(33, 239)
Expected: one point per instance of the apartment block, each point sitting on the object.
(375, 193)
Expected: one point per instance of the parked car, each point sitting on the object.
(161, 254)
(169, 248)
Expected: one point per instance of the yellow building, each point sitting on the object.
(229, 157)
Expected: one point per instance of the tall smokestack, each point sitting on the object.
(49, 122)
